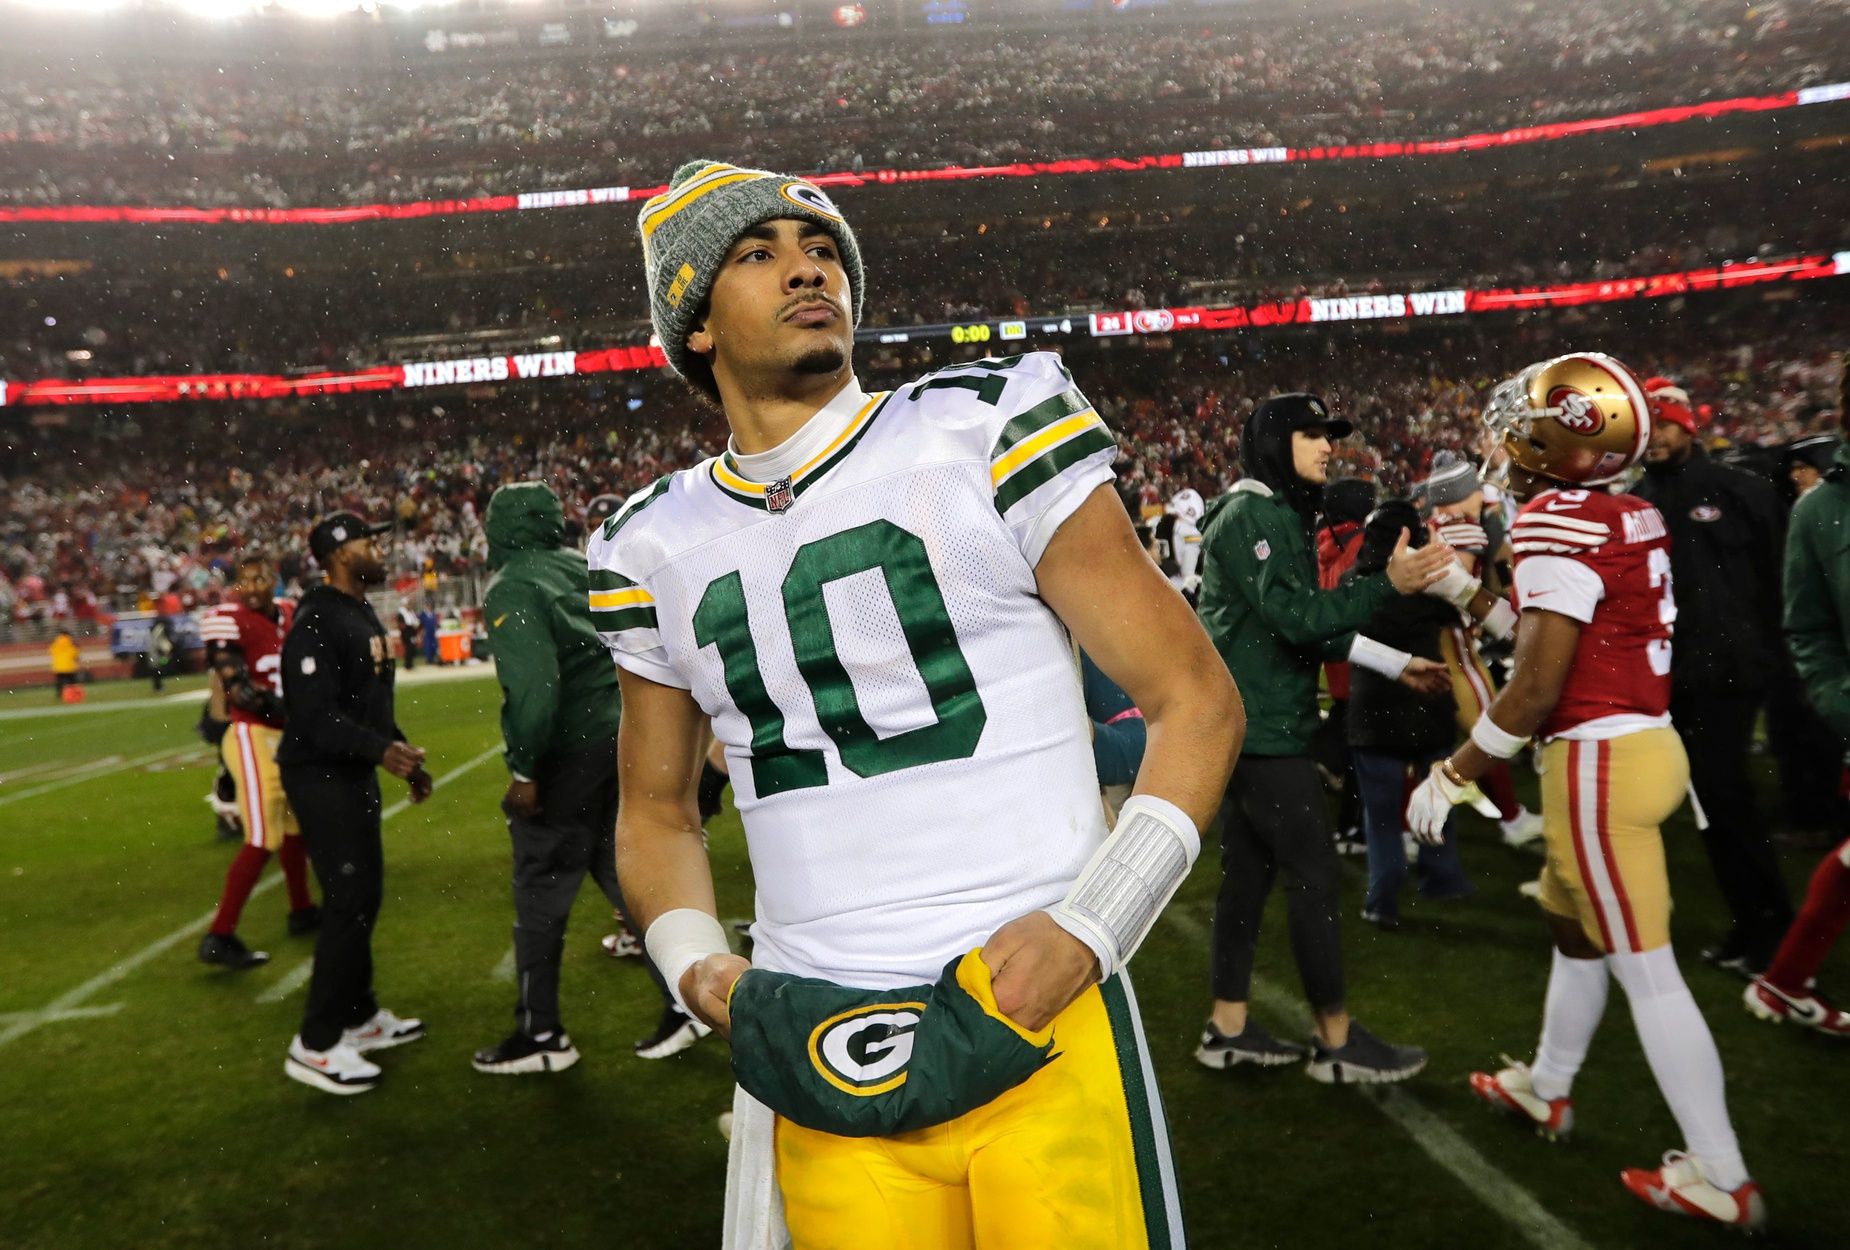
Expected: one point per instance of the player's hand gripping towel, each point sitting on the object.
(872, 1063)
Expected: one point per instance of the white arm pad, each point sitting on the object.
(1129, 880)
(1497, 743)
(678, 940)
(1378, 657)
(1457, 587)
(1500, 621)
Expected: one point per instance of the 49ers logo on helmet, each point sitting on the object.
(1576, 411)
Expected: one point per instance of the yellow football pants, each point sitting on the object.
(1602, 807)
(1074, 1158)
(249, 753)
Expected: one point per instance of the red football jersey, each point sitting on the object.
(1605, 561)
(260, 639)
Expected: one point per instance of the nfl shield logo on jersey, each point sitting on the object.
(778, 496)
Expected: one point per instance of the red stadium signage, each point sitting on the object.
(1309, 311)
(1219, 158)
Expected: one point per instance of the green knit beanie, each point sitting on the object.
(688, 229)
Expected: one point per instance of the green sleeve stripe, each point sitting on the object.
(604, 579)
(615, 621)
(1037, 473)
(622, 518)
(1038, 418)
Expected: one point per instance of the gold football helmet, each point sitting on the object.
(1582, 419)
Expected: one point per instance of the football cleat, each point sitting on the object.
(1513, 1091)
(517, 1053)
(336, 1070)
(224, 950)
(1251, 1045)
(1522, 829)
(1363, 1060)
(1769, 1002)
(674, 1033)
(383, 1032)
(1680, 1188)
(621, 945)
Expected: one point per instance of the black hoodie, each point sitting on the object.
(1265, 448)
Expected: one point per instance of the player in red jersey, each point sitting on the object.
(1592, 681)
(244, 647)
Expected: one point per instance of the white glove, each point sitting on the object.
(1432, 803)
(1463, 536)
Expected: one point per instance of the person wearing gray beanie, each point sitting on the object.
(1454, 480)
(872, 599)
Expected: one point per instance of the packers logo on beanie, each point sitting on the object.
(688, 229)
(871, 1063)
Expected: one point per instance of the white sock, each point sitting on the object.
(1576, 1001)
(1684, 1060)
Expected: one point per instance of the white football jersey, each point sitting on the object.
(900, 711)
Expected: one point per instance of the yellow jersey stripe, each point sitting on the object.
(656, 219)
(1030, 448)
(607, 600)
(673, 194)
(746, 486)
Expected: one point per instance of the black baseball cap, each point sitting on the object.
(1300, 411)
(338, 528)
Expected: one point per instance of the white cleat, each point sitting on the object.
(384, 1031)
(1512, 1091)
(336, 1070)
(1521, 829)
(1680, 1188)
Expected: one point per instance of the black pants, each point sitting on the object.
(1717, 730)
(338, 809)
(1276, 815)
(575, 832)
(1810, 755)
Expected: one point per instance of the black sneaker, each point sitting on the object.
(304, 920)
(224, 950)
(518, 1053)
(1252, 1045)
(1365, 1060)
(1731, 955)
(674, 1033)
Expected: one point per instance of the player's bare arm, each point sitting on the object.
(661, 859)
(1125, 614)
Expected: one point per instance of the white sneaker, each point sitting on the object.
(1680, 1188)
(383, 1032)
(1521, 829)
(337, 1070)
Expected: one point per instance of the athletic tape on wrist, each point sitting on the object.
(1117, 897)
(1500, 621)
(1457, 587)
(678, 940)
(1497, 743)
(1378, 657)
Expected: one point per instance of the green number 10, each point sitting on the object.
(722, 621)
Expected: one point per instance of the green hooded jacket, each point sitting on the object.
(1271, 624)
(558, 685)
(1818, 593)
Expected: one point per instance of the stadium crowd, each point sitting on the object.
(285, 135)
(1247, 244)
(128, 503)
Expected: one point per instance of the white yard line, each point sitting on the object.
(36, 1018)
(17, 1029)
(504, 971)
(102, 768)
(1439, 1140)
(419, 676)
(291, 981)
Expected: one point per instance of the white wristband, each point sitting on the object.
(678, 940)
(1497, 743)
(1378, 657)
(1457, 587)
(1115, 901)
(1500, 621)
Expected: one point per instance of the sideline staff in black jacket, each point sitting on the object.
(337, 687)
(1727, 543)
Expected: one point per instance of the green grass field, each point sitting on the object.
(142, 1101)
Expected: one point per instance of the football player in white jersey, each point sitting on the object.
(871, 597)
